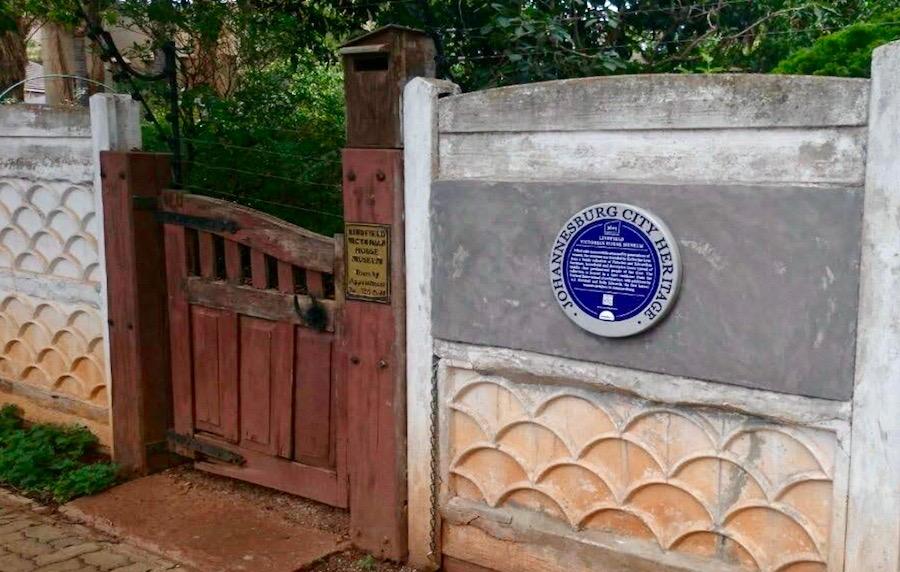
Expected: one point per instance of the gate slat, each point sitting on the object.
(207, 255)
(314, 284)
(286, 277)
(233, 270)
(258, 272)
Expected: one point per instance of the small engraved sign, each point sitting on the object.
(368, 253)
(615, 269)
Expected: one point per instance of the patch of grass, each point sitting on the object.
(50, 462)
(367, 562)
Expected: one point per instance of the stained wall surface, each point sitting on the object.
(52, 358)
(717, 441)
(769, 296)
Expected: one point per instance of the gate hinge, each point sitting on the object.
(204, 448)
(198, 222)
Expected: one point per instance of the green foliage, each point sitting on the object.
(50, 461)
(267, 133)
(847, 53)
(273, 144)
(367, 562)
(510, 41)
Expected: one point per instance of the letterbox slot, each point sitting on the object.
(371, 62)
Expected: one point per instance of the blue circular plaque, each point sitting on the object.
(615, 269)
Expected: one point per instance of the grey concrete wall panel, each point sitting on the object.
(769, 298)
(45, 143)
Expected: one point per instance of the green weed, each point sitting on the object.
(50, 462)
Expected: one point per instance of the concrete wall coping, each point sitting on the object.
(25, 120)
(660, 101)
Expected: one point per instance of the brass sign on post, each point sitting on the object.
(368, 253)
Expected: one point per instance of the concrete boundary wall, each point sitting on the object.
(53, 343)
(559, 458)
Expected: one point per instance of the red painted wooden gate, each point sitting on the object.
(255, 318)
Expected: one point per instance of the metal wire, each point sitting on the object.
(316, 158)
(55, 75)
(238, 199)
(264, 175)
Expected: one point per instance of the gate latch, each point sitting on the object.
(204, 448)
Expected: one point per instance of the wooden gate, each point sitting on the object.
(255, 319)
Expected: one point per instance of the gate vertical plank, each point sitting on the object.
(314, 284)
(258, 271)
(313, 402)
(233, 270)
(214, 354)
(180, 327)
(228, 375)
(375, 344)
(205, 357)
(283, 389)
(255, 340)
(286, 277)
(207, 255)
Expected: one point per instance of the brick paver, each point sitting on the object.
(33, 539)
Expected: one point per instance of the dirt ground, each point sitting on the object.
(294, 509)
(355, 561)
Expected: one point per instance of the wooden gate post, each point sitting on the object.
(376, 67)
(136, 293)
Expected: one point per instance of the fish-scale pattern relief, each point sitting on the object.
(53, 346)
(709, 483)
(48, 228)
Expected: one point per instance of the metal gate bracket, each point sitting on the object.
(204, 448)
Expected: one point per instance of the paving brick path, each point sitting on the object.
(31, 540)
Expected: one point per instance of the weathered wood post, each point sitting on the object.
(136, 298)
(376, 67)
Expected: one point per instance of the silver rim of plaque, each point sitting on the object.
(665, 293)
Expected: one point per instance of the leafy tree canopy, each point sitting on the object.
(260, 82)
(847, 53)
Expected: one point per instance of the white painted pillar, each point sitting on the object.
(115, 126)
(873, 532)
(420, 142)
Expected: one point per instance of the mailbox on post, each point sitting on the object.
(376, 67)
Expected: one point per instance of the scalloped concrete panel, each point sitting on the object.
(720, 486)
